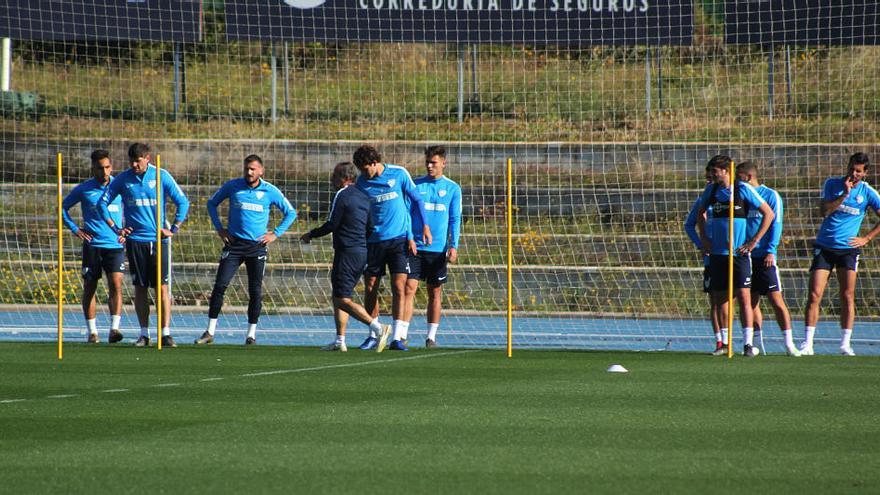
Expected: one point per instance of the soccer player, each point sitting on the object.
(137, 186)
(716, 245)
(442, 198)
(765, 272)
(245, 240)
(690, 227)
(350, 224)
(391, 240)
(838, 245)
(102, 248)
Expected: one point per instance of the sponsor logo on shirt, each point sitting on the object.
(144, 202)
(435, 206)
(386, 197)
(251, 206)
(849, 210)
(113, 208)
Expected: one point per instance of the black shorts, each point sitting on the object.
(96, 261)
(765, 279)
(391, 253)
(142, 262)
(718, 272)
(253, 254)
(348, 266)
(842, 259)
(706, 278)
(430, 266)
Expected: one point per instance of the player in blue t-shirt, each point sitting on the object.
(717, 195)
(844, 203)
(391, 241)
(690, 228)
(102, 249)
(442, 197)
(245, 240)
(765, 272)
(137, 186)
(350, 224)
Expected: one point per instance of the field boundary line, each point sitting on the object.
(357, 364)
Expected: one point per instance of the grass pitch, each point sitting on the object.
(270, 419)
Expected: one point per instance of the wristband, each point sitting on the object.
(174, 228)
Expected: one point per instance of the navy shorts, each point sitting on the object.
(764, 280)
(430, 266)
(842, 259)
(391, 253)
(348, 266)
(142, 262)
(718, 273)
(96, 261)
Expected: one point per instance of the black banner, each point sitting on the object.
(802, 22)
(555, 22)
(142, 20)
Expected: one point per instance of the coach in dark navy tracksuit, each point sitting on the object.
(350, 224)
(245, 239)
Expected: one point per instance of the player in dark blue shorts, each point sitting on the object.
(391, 239)
(717, 195)
(102, 249)
(845, 200)
(765, 271)
(245, 240)
(350, 224)
(137, 187)
(442, 198)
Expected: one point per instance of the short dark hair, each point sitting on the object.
(137, 151)
(345, 171)
(366, 155)
(748, 167)
(859, 159)
(253, 158)
(435, 150)
(721, 161)
(98, 155)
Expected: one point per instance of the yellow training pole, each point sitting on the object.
(730, 268)
(159, 223)
(60, 269)
(509, 257)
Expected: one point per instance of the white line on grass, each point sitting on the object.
(215, 379)
(114, 390)
(10, 401)
(351, 365)
(62, 396)
(166, 385)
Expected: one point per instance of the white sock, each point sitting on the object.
(789, 340)
(808, 336)
(92, 326)
(166, 332)
(115, 320)
(252, 330)
(398, 329)
(212, 326)
(404, 330)
(718, 337)
(724, 336)
(432, 331)
(845, 334)
(145, 332)
(340, 339)
(748, 335)
(375, 328)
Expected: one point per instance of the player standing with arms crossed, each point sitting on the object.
(765, 272)
(102, 248)
(838, 245)
(391, 241)
(442, 197)
(350, 224)
(245, 240)
(717, 195)
(137, 186)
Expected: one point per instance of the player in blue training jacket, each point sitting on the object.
(391, 241)
(765, 272)
(745, 198)
(245, 240)
(690, 227)
(838, 245)
(102, 249)
(137, 186)
(350, 224)
(442, 197)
